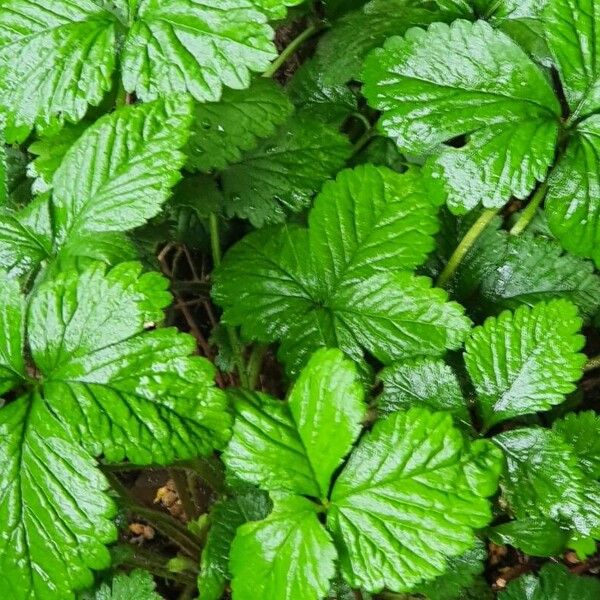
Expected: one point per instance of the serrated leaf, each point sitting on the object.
(572, 203)
(137, 585)
(397, 516)
(120, 171)
(535, 536)
(582, 432)
(222, 130)
(285, 171)
(55, 515)
(56, 58)
(351, 292)
(12, 334)
(554, 583)
(276, 9)
(526, 361)
(424, 382)
(467, 79)
(287, 556)
(289, 446)
(195, 46)
(123, 392)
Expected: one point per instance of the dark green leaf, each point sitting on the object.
(582, 432)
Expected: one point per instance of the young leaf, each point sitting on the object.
(435, 85)
(526, 361)
(195, 46)
(285, 171)
(290, 447)
(287, 556)
(56, 58)
(137, 585)
(582, 432)
(121, 391)
(12, 334)
(554, 583)
(222, 130)
(120, 171)
(536, 536)
(55, 515)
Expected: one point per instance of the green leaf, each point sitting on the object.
(467, 79)
(123, 392)
(397, 516)
(535, 536)
(582, 432)
(137, 585)
(120, 171)
(341, 282)
(55, 515)
(424, 382)
(222, 130)
(573, 37)
(12, 334)
(554, 583)
(276, 9)
(572, 204)
(195, 46)
(287, 556)
(56, 58)
(289, 446)
(285, 171)
(526, 361)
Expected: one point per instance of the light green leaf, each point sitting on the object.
(120, 171)
(55, 515)
(56, 58)
(572, 202)
(195, 46)
(290, 447)
(424, 382)
(526, 361)
(467, 79)
(398, 516)
(276, 9)
(123, 392)
(12, 334)
(287, 556)
(222, 130)
(554, 583)
(535, 536)
(582, 432)
(285, 171)
(137, 585)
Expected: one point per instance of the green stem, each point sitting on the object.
(592, 364)
(364, 140)
(255, 363)
(289, 50)
(529, 211)
(210, 470)
(183, 491)
(466, 244)
(236, 345)
(143, 559)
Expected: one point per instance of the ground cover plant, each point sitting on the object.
(299, 300)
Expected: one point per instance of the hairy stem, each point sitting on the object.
(155, 564)
(592, 364)
(530, 210)
(466, 244)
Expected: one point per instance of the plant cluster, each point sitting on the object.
(337, 287)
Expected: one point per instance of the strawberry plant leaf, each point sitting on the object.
(555, 582)
(56, 58)
(396, 516)
(55, 515)
(285, 171)
(276, 9)
(526, 361)
(12, 334)
(582, 432)
(535, 536)
(137, 585)
(195, 46)
(222, 130)
(287, 556)
(472, 81)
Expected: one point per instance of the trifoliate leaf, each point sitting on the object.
(526, 361)
(554, 583)
(120, 171)
(137, 585)
(435, 85)
(582, 432)
(56, 58)
(12, 333)
(195, 46)
(428, 383)
(572, 203)
(285, 171)
(222, 130)
(55, 515)
(573, 37)
(397, 516)
(290, 447)
(535, 536)
(123, 392)
(287, 556)
(340, 283)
